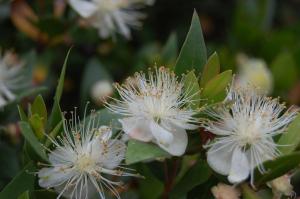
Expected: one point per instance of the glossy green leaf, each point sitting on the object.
(211, 69)
(192, 89)
(276, 168)
(249, 193)
(37, 124)
(197, 174)
(193, 52)
(169, 51)
(22, 182)
(22, 114)
(32, 140)
(140, 151)
(215, 90)
(55, 115)
(150, 187)
(24, 195)
(39, 107)
(290, 140)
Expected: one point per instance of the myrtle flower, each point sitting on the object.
(224, 191)
(10, 77)
(85, 161)
(245, 129)
(282, 186)
(110, 16)
(155, 110)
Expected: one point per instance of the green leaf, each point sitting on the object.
(192, 89)
(198, 174)
(169, 51)
(248, 193)
(39, 107)
(37, 124)
(284, 71)
(22, 182)
(55, 115)
(215, 90)
(211, 69)
(22, 114)
(53, 133)
(150, 187)
(290, 140)
(140, 151)
(45, 194)
(24, 195)
(32, 140)
(276, 168)
(193, 52)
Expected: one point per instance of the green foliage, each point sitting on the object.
(215, 90)
(290, 140)
(22, 182)
(56, 116)
(140, 151)
(192, 89)
(284, 72)
(32, 140)
(196, 175)
(193, 52)
(210, 70)
(169, 51)
(276, 168)
(249, 193)
(24, 195)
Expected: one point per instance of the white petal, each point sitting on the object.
(178, 144)
(51, 177)
(136, 128)
(84, 8)
(240, 168)
(108, 154)
(162, 136)
(219, 158)
(61, 156)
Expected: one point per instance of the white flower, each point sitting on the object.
(254, 72)
(101, 90)
(224, 191)
(155, 109)
(110, 16)
(245, 130)
(10, 77)
(84, 161)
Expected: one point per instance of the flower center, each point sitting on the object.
(85, 163)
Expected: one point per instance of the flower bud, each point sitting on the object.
(224, 191)
(100, 91)
(282, 186)
(254, 72)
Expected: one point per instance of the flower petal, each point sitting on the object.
(162, 136)
(52, 177)
(180, 140)
(84, 8)
(219, 158)
(240, 168)
(137, 129)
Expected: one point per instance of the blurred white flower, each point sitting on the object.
(224, 191)
(85, 161)
(155, 110)
(282, 186)
(245, 129)
(254, 72)
(10, 77)
(101, 90)
(111, 16)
